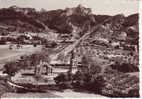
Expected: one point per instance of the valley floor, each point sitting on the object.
(10, 55)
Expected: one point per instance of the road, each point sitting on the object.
(68, 93)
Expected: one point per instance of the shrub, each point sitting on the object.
(2, 42)
(11, 68)
(95, 85)
(78, 79)
(60, 78)
(125, 67)
(4, 86)
(35, 45)
(94, 69)
(89, 76)
(63, 80)
(88, 81)
(134, 93)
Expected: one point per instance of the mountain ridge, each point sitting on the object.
(75, 21)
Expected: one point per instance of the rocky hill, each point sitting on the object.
(17, 19)
(75, 21)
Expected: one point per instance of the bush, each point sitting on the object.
(125, 67)
(94, 84)
(88, 81)
(134, 93)
(35, 45)
(2, 42)
(94, 69)
(63, 80)
(60, 78)
(88, 77)
(11, 68)
(98, 83)
(78, 79)
(4, 86)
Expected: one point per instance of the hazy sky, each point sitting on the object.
(110, 7)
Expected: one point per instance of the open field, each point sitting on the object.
(9, 55)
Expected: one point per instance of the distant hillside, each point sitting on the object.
(75, 21)
(17, 19)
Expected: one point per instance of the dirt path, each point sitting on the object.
(68, 93)
(30, 95)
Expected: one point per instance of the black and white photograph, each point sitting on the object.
(69, 49)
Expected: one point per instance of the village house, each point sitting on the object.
(25, 10)
(115, 44)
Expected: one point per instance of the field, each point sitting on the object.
(9, 55)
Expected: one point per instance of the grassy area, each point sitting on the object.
(7, 55)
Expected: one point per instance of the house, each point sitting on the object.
(25, 10)
(115, 44)
(28, 36)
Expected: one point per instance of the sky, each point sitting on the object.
(109, 7)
